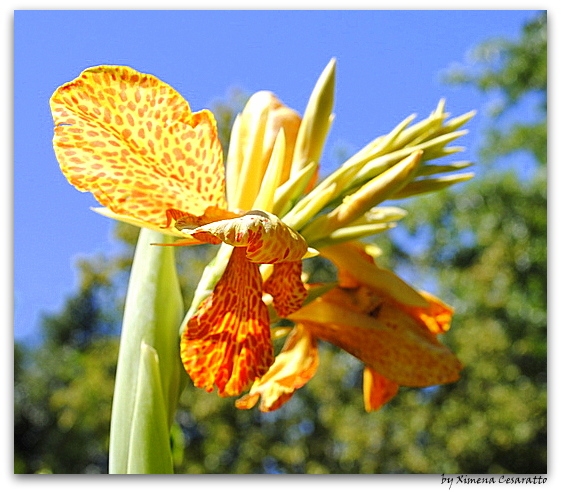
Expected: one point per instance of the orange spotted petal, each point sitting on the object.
(266, 238)
(295, 365)
(437, 317)
(227, 342)
(286, 287)
(385, 337)
(356, 267)
(133, 142)
(378, 390)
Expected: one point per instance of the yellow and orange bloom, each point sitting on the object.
(396, 341)
(383, 334)
(134, 143)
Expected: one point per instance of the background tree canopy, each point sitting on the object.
(485, 252)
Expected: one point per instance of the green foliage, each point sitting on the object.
(62, 404)
(516, 70)
(63, 388)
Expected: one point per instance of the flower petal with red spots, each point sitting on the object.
(133, 142)
(293, 368)
(266, 238)
(384, 336)
(227, 343)
(286, 287)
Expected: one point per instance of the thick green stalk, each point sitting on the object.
(149, 375)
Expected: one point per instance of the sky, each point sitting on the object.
(389, 65)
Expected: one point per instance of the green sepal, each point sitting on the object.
(430, 185)
(353, 233)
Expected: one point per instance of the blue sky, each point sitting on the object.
(389, 65)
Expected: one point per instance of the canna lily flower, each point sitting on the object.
(376, 317)
(134, 143)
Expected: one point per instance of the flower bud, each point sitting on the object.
(251, 144)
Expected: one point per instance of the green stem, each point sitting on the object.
(149, 377)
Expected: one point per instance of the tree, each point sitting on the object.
(62, 391)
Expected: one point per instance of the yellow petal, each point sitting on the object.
(169, 228)
(295, 365)
(437, 316)
(227, 343)
(272, 179)
(133, 142)
(377, 389)
(291, 190)
(186, 220)
(382, 335)
(172, 231)
(352, 259)
(266, 237)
